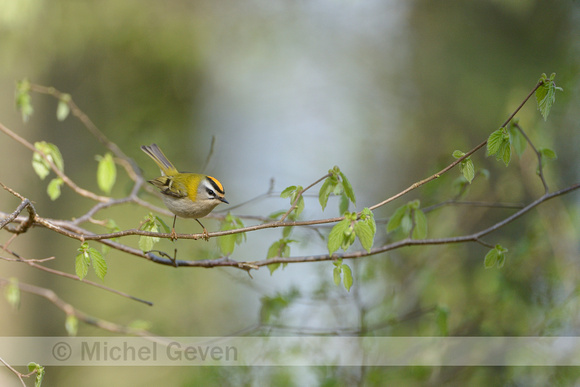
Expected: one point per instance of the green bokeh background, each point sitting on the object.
(386, 90)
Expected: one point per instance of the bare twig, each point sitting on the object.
(538, 155)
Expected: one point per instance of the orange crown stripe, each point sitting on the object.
(217, 185)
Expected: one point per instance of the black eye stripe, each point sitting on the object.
(210, 192)
(215, 186)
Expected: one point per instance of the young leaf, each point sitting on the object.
(365, 234)
(146, 243)
(490, 258)
(35, 367)
(53, 188)
(346, 276)
(98, 262)
(420, 230)
(518, 141)
(40, 166)
(82, 261)
(506, 152)
(227, 243)
(546, 95)
(288, 191)
(163, 225)
(106, 173)
(326, 190)
(348, 191)
(63, 108)
(494, 141)
(337, 235)
(343, 204)
(468, 169)
(23, 100)
(495, 255)
(336, 274)
(368, 216)
(458, 154)
(51, 151)
(397, 218)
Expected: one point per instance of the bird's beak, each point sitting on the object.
(224, 200)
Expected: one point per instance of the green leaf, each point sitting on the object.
(71, 325)
(98, 262)
(518, 141)
(337, 235)
(63, 108)
(346, 276)
(272, 307)
(458, 154)
(146, 243)
(51, 151)
(494, 141)
(286, 231)
(547, 153)
(35, 367)
(336, 274)
(397, 218)
(343, 204)
(163, 225)
(299, 205)
(420, 230)
(349, 192)
(365, 234)
(40, 166)
(368, 216)
(546, 95)
(288, 191)
(106, 173)
(53, 188)
(468, 169)
(227, 243)
(490, 258)
(506, 153)
(23, 99)
(495, 255)
(273, 267)
(82, 261)
(326, 190)
(12, 293)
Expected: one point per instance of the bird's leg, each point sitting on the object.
(173, 234)
(205, 233)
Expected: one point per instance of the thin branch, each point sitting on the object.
(300, 193)
(92, 128)
(538, 155)
(72, 185)
(18, 374)
(34, 263)
(209, 155)
(67, 308)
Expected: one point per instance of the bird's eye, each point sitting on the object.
(210, 193)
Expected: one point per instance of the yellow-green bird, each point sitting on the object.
(188, 195)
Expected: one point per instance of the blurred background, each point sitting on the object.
(386, 90)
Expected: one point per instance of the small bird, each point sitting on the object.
(188, 195)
